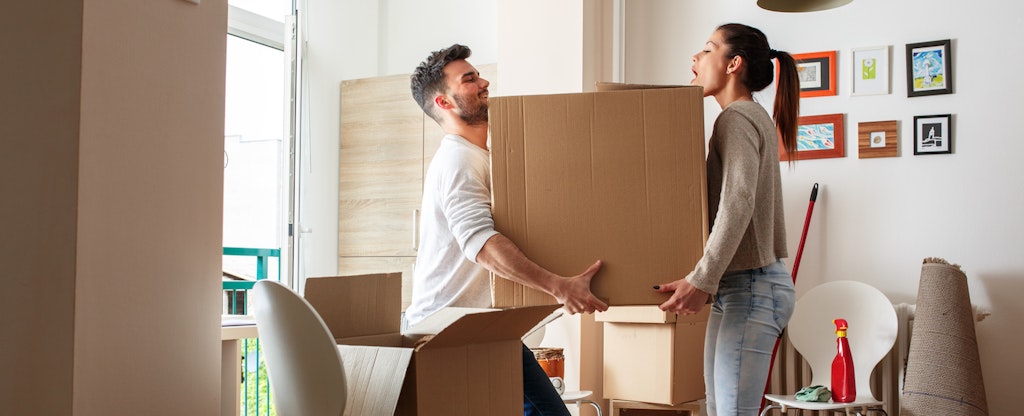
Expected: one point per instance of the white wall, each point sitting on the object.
(876, 219)
(111, 167)
(150, 198)
(358, 39)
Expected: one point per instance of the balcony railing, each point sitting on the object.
(255, 389)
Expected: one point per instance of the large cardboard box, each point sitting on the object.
(611, 175)
(457, 362)
(653, 356)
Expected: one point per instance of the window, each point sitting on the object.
(258, 135)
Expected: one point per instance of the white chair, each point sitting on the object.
(304, 368)
(872, 332)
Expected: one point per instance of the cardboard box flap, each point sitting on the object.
(484, 327)
(354, 306)
(648, 315)
(374, 376)
(393, 339)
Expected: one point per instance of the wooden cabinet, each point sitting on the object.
(385, 147)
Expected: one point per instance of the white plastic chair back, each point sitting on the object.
(871, 335)
(304, 368)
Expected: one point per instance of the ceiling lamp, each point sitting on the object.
(800, 5)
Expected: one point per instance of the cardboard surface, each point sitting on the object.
(654, 362)
(618, 86)
(374, 377)
(629, 408)
(353, 306)
(616, 175)
(471, 364)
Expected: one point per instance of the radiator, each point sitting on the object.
(791, 372)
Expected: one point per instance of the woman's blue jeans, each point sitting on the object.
(747, 317)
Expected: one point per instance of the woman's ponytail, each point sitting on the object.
(787, 101)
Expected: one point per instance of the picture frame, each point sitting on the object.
(933, 134)
(870, 71)
(878, 139)
(929, 68)
(817, 72)
(818, 137)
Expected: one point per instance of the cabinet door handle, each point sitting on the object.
(415, 230)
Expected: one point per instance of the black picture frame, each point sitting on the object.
(933, 134)
(929, 68)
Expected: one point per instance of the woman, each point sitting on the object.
(742, 267)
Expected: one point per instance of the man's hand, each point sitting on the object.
(686, 299)
(575, 295)
(502, 257)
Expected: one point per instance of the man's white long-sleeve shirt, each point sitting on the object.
(455, 222)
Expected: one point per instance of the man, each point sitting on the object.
(458, 243)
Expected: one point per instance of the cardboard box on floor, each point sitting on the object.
(471, 364)
(616, 175)
(653, 356)
(630, 408)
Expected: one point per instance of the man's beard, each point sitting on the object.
(472, 114)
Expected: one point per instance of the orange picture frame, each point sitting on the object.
(818, 137)
(817, 73)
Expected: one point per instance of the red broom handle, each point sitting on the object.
(803, 235)
(796, 266)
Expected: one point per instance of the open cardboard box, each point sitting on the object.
(456, 362)
(616, 175)
(653, 356)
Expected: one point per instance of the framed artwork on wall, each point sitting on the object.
(818, 137)
(870, 71)
(817, 72)
(929, 68)
(933, 135)
(878, 139)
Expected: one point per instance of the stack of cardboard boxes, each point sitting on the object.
(616, 175)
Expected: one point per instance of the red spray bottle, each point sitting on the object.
(844, 385)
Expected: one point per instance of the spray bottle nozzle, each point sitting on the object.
(841, 326)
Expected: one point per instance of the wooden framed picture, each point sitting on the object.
(878, 139)
(818, 137)
(870, 71)
(929, 68)
(817, 72)
(933, 135)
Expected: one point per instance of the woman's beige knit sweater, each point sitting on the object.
(747, 224)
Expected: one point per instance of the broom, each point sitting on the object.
(796, 266)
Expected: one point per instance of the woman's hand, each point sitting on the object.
(686, 299)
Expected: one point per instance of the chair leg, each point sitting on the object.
(770, 407)
(596, 406)
(868, 410)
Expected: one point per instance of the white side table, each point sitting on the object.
(580, 397)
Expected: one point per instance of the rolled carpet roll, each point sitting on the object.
(943, 372)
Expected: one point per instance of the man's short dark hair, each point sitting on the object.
(428, 79)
